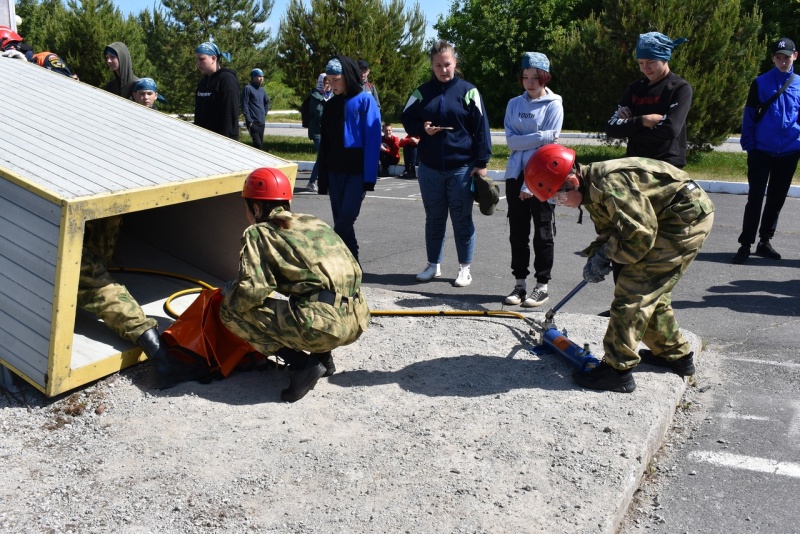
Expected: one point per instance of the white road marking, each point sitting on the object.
(750, 463)
(766, 362)
(735, 415)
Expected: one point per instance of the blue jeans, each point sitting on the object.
(763, 169)
(315, 170)
(443, 193)
(346, 192)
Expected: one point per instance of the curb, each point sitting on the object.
(731, 188)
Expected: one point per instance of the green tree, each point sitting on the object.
(490, 37)
(387, 35)
(778, 19)
(720, 60)
(42, 25)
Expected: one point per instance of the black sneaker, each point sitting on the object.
(604, 377)
(537, 298)
(741, 255)
(516, 296)
(765, 250)
(681, 367)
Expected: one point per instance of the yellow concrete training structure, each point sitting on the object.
(72, 153)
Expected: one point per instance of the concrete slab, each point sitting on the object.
(432, 424)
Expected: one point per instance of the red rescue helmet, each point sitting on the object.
(547, 170)
(267, 184)
(8, 36)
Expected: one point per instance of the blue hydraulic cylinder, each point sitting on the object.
(554, 341)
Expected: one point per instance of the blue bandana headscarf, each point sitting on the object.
(656, 45)
(334, 67)
(535, 60)
(210, 49)
(321, 86)
(256, 72)
(148, 84)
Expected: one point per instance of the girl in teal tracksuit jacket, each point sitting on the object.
(448, 115)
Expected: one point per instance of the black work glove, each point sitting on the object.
(597, 267)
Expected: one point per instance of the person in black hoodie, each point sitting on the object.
(118, 61)
(216, 103)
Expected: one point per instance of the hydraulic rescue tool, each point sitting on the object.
(551, 340)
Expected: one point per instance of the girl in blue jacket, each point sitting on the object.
(350, 142)
(448, 115)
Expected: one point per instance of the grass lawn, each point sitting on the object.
(719, 166)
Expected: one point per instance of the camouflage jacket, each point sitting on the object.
(300, 260)
(626, 199)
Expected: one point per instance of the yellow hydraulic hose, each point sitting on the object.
(375, 313)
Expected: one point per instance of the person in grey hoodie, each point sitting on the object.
(532, 120)
(118, 61)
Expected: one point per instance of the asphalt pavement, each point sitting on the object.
(740, 469)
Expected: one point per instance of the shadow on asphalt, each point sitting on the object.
(763, 297)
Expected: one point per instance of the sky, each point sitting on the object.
(430, 8)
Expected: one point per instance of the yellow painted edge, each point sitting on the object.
(154, 196)
(33, 187)
(100, 369)
(65, 298)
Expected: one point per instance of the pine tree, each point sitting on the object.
(42, 25)
(720, 60)
(387, 35)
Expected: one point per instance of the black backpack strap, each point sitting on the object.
(761, 108)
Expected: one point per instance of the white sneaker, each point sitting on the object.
(433, 270)
(464, 277)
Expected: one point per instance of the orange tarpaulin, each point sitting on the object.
(199, 333)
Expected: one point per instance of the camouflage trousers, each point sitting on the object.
(100, 294)
(299, 324)
(642, 305)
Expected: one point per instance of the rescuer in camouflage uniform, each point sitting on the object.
(110, 301)
(98, 292)
(302, 258)
(652, 219)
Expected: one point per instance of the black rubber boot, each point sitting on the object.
(304, 372)
(605, 377)
(326, 359)
(765, 250)
(741, 255)
(681, 367)
(166, 370)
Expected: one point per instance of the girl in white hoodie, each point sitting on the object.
(532, 120)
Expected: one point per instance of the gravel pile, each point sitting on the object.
(432, 424)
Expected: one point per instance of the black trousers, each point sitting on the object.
(520, 215)
(257, 133)
(763, 169)
(410, 156)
